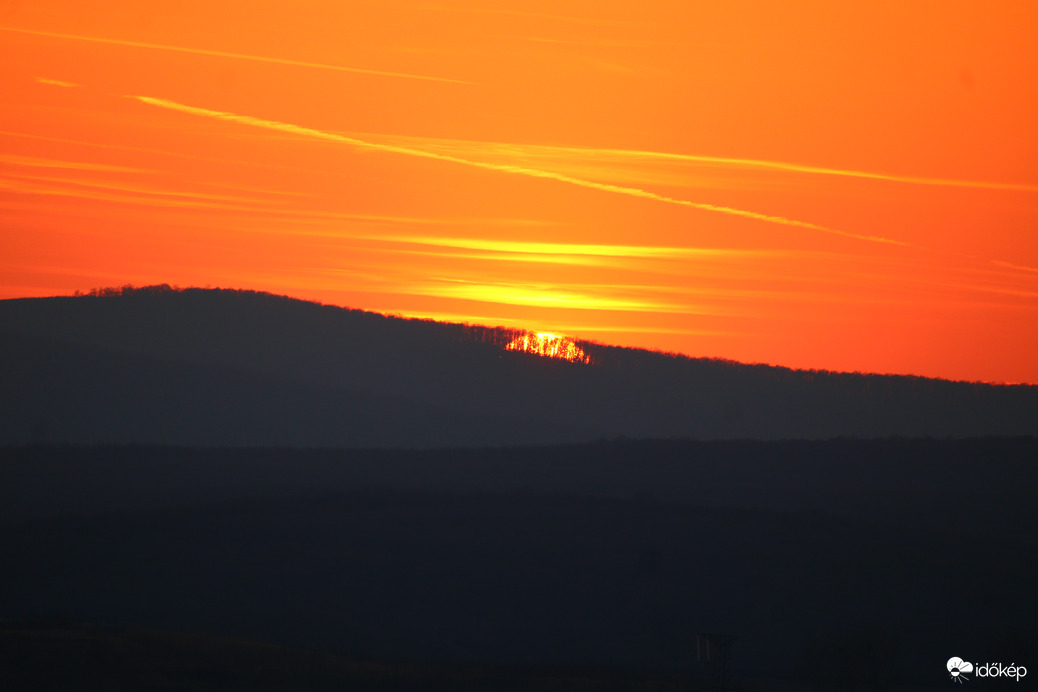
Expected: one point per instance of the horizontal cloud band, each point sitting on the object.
(224, 54)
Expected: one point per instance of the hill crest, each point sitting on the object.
(456, 382)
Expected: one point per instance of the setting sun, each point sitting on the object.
(549, 345)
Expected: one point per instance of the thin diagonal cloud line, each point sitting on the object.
(800, 168)
(623, 156)
(236, 56)
(518, 170)
(1010, 265)
(849, 173)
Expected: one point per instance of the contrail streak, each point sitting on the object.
(819, 170)
(595, 156)
(519, 170)
(237, 56)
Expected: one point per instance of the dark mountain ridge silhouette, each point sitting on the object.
(229, 367)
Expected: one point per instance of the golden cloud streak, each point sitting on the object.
(224, 54)
(578, 158)
(527, 248)
(137, 189)
(34, 162)
(1010, 265)
(518, 170)
(30, 185)
(543, 296)
(56, 82)
(579, 260)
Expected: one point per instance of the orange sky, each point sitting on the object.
(850, 186)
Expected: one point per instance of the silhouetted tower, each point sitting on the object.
(715, 650)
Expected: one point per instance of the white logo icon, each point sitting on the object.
(958, 668)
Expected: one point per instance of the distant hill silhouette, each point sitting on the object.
(226, 367)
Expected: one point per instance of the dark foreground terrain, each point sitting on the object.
(224, 368)
(841, 564)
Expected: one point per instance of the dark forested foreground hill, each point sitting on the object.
(237, 368)
(857, 564)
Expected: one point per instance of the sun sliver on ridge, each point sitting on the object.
(549, 345)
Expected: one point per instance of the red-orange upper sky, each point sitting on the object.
(849, 186)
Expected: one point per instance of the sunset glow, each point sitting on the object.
(844, 186)
(550, 346)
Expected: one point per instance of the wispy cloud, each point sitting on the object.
(525, 247)
(138, 189)
(1010, 265)
(56, 82)
(34, 162)
(545, 296)
(535, 15)
(235, 56)
(125, 193)
(616, 256)
(167, 153)
(576, 260)
(598, 42)
(841, 172)
(504, 168)
(629, 164)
